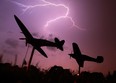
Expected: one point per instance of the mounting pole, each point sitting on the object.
(23, 63)
(31, 57)
(79, 70)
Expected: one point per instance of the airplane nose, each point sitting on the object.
(70, 55)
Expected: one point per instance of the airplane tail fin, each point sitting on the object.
(100, 59)
(59, 43)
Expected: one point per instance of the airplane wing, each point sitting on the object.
(42, 52)
(23, 28)
(76, 49)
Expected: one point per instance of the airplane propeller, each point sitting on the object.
(71, 54)
(25, 41)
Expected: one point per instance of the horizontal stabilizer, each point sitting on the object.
(59, 44)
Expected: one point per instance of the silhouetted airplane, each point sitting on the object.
(80, 58)
(38, 43)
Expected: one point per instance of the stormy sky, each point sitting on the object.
(95, 33)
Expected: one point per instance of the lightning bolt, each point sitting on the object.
(46, 3)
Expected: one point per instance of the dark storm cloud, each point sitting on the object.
(35, 34)
(7, 50)
(11, 42)
(9, 47)
(50, 37)
(38, 35)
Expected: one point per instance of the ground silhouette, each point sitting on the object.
(56, 74)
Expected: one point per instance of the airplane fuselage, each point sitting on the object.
(40, 42)
(81, 58)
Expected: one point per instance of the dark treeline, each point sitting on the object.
(56, 74)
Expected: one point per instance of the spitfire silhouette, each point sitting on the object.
(37, 43)
(80, 58)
